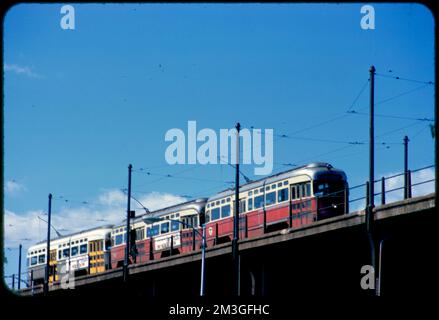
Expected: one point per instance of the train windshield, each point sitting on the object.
(328, 188)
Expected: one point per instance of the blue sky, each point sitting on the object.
(80, 105)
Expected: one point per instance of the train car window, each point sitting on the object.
(175, 225)
(217, 203)
(195, 221)
(164, 227)
(285, 183)
(59, 254)
(223, 201)
(279, 184)
(321, 189)
(270, 198)
(256, 192)
(242, 206)
(308, 189)
(250, 193)
(293, 192)
(208, 216)
(33, 260)
(108, 244)
(74, 251)
(273, 186)
(282, 195)
(140, 233)
(225, 211)
(215, 214)
(65, 253)
(259, 201)
(119, 239)
(250, 204)
(41, 258)
(261, 190)
(228, 199)
(83, 248)
(267, 188)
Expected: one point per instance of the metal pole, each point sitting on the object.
(13, 281)
(369, 210)
(46, 280)
(372, 139)
(236, 217)
(19, 266)
(127, 244)
(203, 258)
(406, 140)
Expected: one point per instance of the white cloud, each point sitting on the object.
(157, 200)
(12, 187)
(110, 208)
(21, 70)
(112, 197)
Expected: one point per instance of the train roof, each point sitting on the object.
(197, 204)
(312, 170)
(107, 226)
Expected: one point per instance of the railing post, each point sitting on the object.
(409, 184)
(367, 193)
(172, 245)
(383, 190)
(406, 192)
(151, 249)
(32, 280)
(193, 240)
(290, 214)
(265, 220)
(317, 208)
(246, 226)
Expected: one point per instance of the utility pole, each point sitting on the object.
(371, 203)
(19, 266)
(127, 244)
(406, 143)
(236, 257)
(49, 215)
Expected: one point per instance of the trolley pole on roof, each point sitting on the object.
(127, 244)
(236, 257)
(406, 142)
(19, 266)
(46, 278)
(371, 204)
